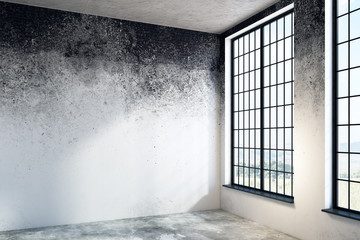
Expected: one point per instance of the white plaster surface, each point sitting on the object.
(107, 131)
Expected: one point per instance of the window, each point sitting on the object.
(262, 108)
(346, 106)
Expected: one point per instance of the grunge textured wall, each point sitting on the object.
(104, 119)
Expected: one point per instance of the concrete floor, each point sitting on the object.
(197, 226)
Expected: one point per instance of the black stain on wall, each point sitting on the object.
(57, 63)
(309, 50)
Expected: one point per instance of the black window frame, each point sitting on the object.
(261, 191)
(336, 209)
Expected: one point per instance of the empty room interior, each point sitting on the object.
(194, 119)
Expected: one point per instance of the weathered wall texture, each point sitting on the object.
(303, 219)
(104, 119)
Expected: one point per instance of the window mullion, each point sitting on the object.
(262, 108)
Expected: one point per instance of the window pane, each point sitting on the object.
(354, 110)
(258, 59)
(288, 97)
(266, 138)
(266, 56)
(236, 175)
(246, 100)
(354, 53)
(236, 84)
(246, 63)
(354, 81)
(288, 26)
(252, 100)
(288, 116)
(273, 181)
(343, 139)
(241, 157)
(280, 116)
(236, 102)
(343, 166)
(252, 119)
(258, 117)
(241, 175)
(258, 78)
(236, 156)
(246, 119)
(267, 117)
(241, 138)
(342, 34)
(266, 76)
(246, 175)
(280, 183)
(354, 25)
(236, 66)
(273, 95)
(280, 28)
(266, 180)
(343, 112)
(258, 139)
(236, 48)
(354, 4)
(257, 38)
(355, 196)
(355, 167)
(343, 83)
(288, 138)
(280, 48)
(252, 61)
(288, 69)
(246, 43)
(252, 41)
(266, 97)
(241, 83)
(241, 64)
(342, 7)
(236, 138)
(266, 159)
(280, 93)
(273, 32)
(355, 139)
(273, 117)
(241, 46)
(252, 177)
(343, 56)
(252, 80)
(258, 179)
(288, 184)
(280, 72)
(288, 167)
(236, 120)
(273, 73)
(342, 194)
(258, 99)
(241, 120)
(273, 160)
(246, 139)
(273, 53)
(280, 139)
(266, 35)
(288, 50)
(246, 157)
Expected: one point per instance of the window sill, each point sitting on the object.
(342, 213)
(271, 195)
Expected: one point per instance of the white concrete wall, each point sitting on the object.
(102, 119)
(312, 144)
